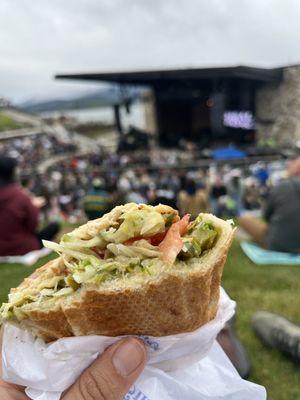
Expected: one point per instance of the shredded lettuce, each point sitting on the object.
(136, 223)
(7, 309)
(141, 248)
(63, 249)
(63, 292)
(72, 242)
(71, 247)
(81, 276)
(91, 266)
(112, 268)
(47, 292)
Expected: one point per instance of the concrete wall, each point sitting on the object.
(278, 109)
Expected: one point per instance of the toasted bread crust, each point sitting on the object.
(169, 306)
(48, 324)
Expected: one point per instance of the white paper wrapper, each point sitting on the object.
(186, 366)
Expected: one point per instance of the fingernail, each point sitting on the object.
(128, 356)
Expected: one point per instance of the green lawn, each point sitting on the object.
(12, 274)
(6, 123)
(272, 288)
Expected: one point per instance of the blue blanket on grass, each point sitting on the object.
(262, 256)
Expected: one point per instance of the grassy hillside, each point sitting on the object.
(6, 123)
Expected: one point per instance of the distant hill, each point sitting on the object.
(101, 98)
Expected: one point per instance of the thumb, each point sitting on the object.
(111, 375)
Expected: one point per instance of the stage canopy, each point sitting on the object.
(204, 105)
(155, 77)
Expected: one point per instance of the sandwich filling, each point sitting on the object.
(139, 243)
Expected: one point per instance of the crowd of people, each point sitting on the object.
(225, 191)
(30, 150)
(86, 186)
(152, 158)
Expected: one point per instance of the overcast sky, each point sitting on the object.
(39, 38)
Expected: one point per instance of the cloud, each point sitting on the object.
(39, 39)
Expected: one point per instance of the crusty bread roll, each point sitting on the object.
(172, 298)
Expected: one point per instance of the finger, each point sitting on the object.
(112, 374)
(11, 394)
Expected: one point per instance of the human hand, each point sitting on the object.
(108, 378)
(112, 374)
(37, 201)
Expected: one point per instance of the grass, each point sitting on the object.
(6, 122)
(12, 274)
(272, 288)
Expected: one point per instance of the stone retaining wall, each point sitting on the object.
(278, 109)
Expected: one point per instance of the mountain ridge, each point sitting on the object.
(101, 98)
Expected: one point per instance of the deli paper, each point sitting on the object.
(186, 366)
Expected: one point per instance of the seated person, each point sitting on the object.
(192, 200)
(19, 215)
(98, 201)
(280, 230)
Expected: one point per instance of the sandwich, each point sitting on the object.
(138, 270)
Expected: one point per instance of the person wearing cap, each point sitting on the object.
(98, 201)
(279, 231)
(19, 215)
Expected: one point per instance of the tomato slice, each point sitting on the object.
(154, 240)
(172, 244)
(158, 238)
(183, 224)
